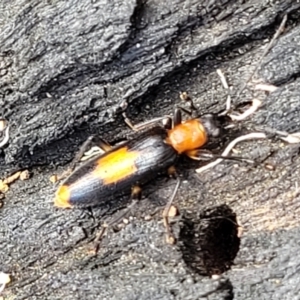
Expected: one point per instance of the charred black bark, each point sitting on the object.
(68, 67)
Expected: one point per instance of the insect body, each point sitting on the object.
(135, 162)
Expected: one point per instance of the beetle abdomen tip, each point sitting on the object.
(62, 197)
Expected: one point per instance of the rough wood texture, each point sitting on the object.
(66, 69)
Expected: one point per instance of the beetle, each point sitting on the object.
(134, 163)
(123, 169)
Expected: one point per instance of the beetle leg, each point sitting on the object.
(103, 145)
(135, 197)
(166, 214)
(144, 125)
(186, 110)
(186, 97)
(177, 118)
(169, 121)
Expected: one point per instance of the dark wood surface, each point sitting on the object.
(67, 68)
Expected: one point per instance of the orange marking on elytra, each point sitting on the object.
(116, 166)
